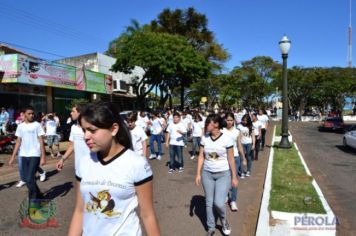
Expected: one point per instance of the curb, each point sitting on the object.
(287, 223)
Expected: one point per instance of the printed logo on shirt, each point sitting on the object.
(213, 156)
(102, 204)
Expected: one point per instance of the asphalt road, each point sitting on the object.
(179, 204)
(333, 167)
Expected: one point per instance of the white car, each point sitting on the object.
(350, 137)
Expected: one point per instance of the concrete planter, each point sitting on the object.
(277, 223)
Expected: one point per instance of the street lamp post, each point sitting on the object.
(284, 45)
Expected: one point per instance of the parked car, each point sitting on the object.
(332, 124)
(350, 137)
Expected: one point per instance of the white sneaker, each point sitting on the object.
(43, 176)
(159, 157)
(226, 227)
(243, 176)
(233, 206)
(181, 169)
(20, 184)
(192, 157)
(152, 156)
(248, 174)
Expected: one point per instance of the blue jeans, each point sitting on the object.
(19, 163)
(175, 150)
(195, 145)
(248, 155)
(157, 138)
(216, 187)
(29, 169)
(234, 190)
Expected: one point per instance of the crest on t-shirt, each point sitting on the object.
(213, 156)
(102, 203)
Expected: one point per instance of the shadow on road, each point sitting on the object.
(197, 207)
(59, 190)
(7, 185)
(346, 149)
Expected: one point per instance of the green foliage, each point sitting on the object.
(168, 60)
(74, 102)
(255, 80)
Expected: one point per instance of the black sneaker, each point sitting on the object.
(226, 227)
(210, 232)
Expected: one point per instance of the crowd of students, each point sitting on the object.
(112, 161)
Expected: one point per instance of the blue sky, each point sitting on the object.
(318, 29)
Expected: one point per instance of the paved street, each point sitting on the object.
(333, 167)
(178, 202)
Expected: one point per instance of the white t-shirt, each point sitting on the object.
(176, 138)
(264, 120)
(142, 122)
(51, 127)
(215, 152)
(246, 138)
(256, 127)
(156, 127)
(109, 194)
(187, 122)
(29, 133)
(233, 133)
(80, 147)
(198, 128)
(138, 135)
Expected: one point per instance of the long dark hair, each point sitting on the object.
(248, 124)
(216, 118)
(103, 115)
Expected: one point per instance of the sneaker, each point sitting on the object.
(159, 157)
(180, 169)
(226, 227)
(248, 174)
(243, 176)
(233, 206)
(152, 156)
(20, 184)
(59, 155)
(43, 176)
(52, 156)
(192, 157)
(210, 232)
(170, 171)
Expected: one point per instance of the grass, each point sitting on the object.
(278, 129)
(292, 190)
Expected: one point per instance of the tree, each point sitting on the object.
(255, 79)
(193, 26)
(165, 58)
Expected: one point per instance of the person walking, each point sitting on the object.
(156, 136)
(30, 148)
(263, 118)
(4, 121)
(248, 143)
(76, 138)
(175, 142)
(138, 135)
(50, 126)
(216, 171)
(257, 127)
(112, 181)
(235, 136)
(197, 133)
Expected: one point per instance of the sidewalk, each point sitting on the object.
(179, 204)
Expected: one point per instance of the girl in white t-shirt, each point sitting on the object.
(248, 143)
(263, 118)
(197, 133)
(113, 180)
(257, 129)
(138, 135)
(215, 165)
(235, 136)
